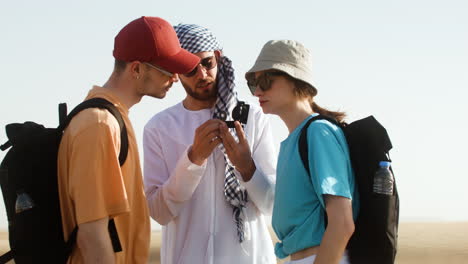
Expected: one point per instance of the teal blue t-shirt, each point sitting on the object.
(299, 208)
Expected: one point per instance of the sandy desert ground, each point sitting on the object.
(419, 243)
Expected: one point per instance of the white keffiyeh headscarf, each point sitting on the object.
(196, 39)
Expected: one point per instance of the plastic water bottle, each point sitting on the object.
(383, 179)
(23, 201)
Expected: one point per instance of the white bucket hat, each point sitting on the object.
(288, 56)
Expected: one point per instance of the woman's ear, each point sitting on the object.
(218, 54)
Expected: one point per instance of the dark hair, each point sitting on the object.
(119, 66)
(303, 89)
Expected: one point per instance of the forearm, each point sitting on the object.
(183, 180)
(158, 208)
(94, 242)
(333, 244)
(338, 232)
(261, 186)
(166, 200)
(247, 171)
(261, 189)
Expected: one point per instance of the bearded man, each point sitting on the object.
(207, 185)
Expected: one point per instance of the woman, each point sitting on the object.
(313, 216)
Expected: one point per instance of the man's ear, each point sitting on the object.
(218, 54)
(135, 68)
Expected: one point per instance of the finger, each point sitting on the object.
(223, 129)
(214, 143)
(208, 128)
(205, 142)
(240, 132)
(212, 136)
(227, 147)
(207, 124)
(209, 142)
(201, 127)
(228, 139)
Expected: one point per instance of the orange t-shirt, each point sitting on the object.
(92, 185)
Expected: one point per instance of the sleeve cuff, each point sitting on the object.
(185, 161)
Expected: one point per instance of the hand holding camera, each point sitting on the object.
(238, 152)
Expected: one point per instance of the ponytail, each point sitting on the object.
(305, 89)
(338, 116)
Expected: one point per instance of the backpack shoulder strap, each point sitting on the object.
(303, 145)
(7, 257)
(64, 122)
(102, 104)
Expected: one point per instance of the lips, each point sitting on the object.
(262, 102)
(204, 86)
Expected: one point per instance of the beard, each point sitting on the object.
(202, 95)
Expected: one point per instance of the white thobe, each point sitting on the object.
(188, 200)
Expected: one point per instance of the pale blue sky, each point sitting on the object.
(405, 62)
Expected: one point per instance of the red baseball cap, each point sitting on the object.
(153, 40)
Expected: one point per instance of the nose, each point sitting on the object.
(258, 92)
(201, 71)
(175, 77)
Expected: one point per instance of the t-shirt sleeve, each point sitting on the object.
(96, 184)
(328, 161)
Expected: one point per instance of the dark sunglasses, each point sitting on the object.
(208, 63)
(264, 81)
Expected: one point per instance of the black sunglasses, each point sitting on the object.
(208, 63)
(264, 81)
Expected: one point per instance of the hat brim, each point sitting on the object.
(182, 62)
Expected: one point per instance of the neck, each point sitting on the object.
(194, 104)
(294, 115)
(124, 89)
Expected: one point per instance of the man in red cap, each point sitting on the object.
(93, 187)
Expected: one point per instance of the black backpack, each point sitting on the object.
(376, 228)
(29, 170)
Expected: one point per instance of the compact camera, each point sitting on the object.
(239, 113)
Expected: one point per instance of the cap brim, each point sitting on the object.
(182, 62)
